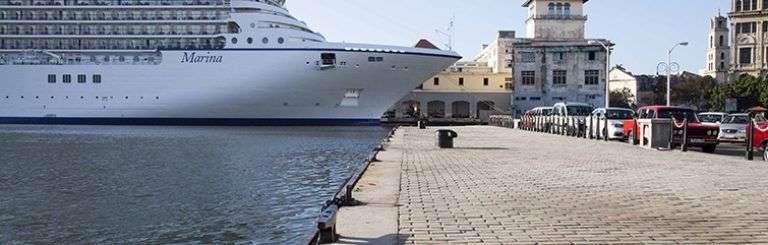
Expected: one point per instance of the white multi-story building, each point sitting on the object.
(718, 51)
(555, 62)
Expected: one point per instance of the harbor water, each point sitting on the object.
(110, 184)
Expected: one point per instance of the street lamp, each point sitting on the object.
(669, 68)
(607, 70)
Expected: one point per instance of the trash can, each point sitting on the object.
(445, 138)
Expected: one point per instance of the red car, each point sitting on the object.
(699, 135)
(760, 138)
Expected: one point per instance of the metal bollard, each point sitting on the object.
(605, 137)
(326, 224)
(750, 154)
(597, 128)
(684, 146)
(591, 128)
(634, 131)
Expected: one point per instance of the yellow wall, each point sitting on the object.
(449, 81)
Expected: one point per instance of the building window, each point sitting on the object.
(281, 40)
(738, 5)
(591, 77)
(97, 78)
(234, 40)
(551, 10)
(529, 77)
(265, 40)
(67, 78)
(559, 56)
(461, 81)
(249, 40)
(591, 55)
(567, 9)
(527, 57)
(81, 78)
(558, 76)
(745, 56)
(436, 81)
(747, 27)
(486, 81)
(721, 37)
(51, 78)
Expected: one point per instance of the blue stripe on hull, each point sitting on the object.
(190, 121)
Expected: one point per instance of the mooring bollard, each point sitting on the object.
(684, 146)
(326, 225)
(751, 137)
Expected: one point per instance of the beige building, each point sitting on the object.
(749, 35)
(467, 92)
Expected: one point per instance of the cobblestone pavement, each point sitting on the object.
(507, 186)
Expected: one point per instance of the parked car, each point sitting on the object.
(734, 128)
(532, 115)
(699, 134)
(569, 117)
(615, 127)
(760, 138)
(712, 117)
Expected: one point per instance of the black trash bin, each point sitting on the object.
(445, 138)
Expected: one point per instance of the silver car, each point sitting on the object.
(734, 128)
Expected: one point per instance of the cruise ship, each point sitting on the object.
(193, 62)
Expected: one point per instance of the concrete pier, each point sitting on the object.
(504, 186)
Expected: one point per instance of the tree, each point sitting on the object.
(622, 98)
(749, 91)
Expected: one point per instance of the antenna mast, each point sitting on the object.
(448, 33)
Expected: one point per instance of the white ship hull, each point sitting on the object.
(228, 87)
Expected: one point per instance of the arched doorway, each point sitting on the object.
(485, 106)
(410, 109)
(460, 109)
(436, 109)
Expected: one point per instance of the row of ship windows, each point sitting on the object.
(263, 40)
(84, 97)
(137, 43)
(105, 29)
(113, 15)
(67, 78)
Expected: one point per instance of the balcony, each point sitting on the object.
(558, 17)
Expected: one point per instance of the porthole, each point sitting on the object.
(280, 40)
(253, 25)
(265, 40)
(234, 40)
(249, 40)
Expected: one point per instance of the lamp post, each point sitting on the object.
(607, 70)
(669, 71)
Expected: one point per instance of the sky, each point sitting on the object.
(643, 30)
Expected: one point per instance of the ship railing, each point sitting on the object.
(113, 2)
